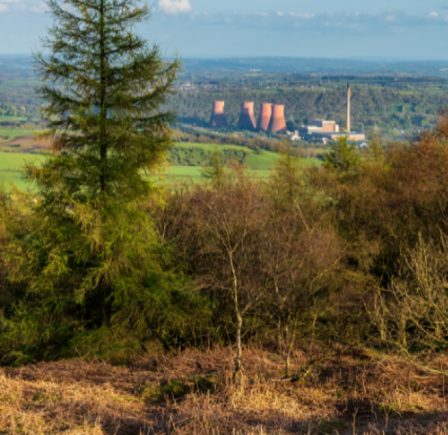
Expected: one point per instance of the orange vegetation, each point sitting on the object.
(192, 393)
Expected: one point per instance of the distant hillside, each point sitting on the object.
(371, 106)
(307, 65)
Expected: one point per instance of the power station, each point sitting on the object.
(272, 119)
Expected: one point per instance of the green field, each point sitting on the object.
(12, 118)
(12, 133)
(261, 160)
(174, 174)
(258, 162)
(10, 167)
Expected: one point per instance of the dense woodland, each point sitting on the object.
(97, 260)
(17, 88)
(354, 252)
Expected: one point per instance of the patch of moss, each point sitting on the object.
(178, 388)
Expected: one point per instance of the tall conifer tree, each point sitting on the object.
(89, 256)
(103, 91)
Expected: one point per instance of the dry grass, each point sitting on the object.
(192, 394)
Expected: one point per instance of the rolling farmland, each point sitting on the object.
(184, 161)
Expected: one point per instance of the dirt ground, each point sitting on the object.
(193, 393)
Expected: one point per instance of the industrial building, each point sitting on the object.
(328, 130)
(326, 126)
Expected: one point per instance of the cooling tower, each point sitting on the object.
(278, 123)
(265, 116)
(218, 118)
(247, 116)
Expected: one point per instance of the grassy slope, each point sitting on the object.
(193, 173)
(260, 164)
(15, 132)
(11, 118)
(192, 393)
(11, 164)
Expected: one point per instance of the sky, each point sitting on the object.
(344, 29)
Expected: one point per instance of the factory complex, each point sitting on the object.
(272, 119)
(325, 131)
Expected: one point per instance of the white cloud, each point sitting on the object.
(3, 8)
(40, 8)
(296, 15)
(433, 14)
(175, 6)
(280, 14)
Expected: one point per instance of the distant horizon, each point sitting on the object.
(366, 59)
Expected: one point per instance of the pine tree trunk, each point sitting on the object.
(106, 320)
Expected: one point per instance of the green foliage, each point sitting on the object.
(215, 169)
(178, 388)
(60, 264)
(195, 156)
(104, 88)
(375, 151)
(98, 261)
(343, 156)
(96, 276)
(286, 179)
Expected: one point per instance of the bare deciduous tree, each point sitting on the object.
(413, 312)
(231, 225)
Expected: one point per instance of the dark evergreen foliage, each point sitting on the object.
(103, 91)
(94, 270)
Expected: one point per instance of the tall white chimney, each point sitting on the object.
(349, 122)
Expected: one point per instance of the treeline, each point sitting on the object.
(298, 148)
(196, 156)
(354, 252)
(385, 108)
(213, 138)
(17, 88)
(19, 102)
